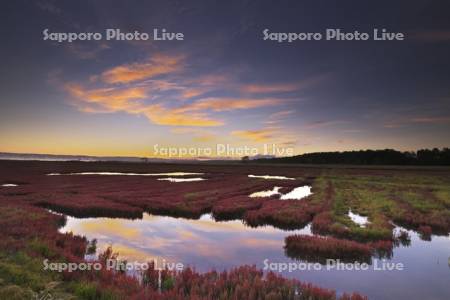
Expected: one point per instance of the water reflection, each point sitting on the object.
(271, 177)
(358, 219)
(272, 192)
(181, 179)
(207, 244)
(296, 194)
(203, 243)
(128, 174)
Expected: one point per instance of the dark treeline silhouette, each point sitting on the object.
(432, 157)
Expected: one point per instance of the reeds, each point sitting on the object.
(245, 282)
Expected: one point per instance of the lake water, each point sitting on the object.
(362, 221)
(268, 193)
(296, 194)
(181, 179)
(271, 177)
(126, 174)
(206, 244)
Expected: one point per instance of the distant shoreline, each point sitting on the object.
(386, 157)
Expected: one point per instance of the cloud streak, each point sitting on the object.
(278, 117)
(229, 104)
(162, 90)
(130, 100)
(268, 88)
(109, 99)
(157, 65)
(260, 135)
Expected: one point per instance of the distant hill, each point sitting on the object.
(432, 157)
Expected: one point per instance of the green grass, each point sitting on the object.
(319, 190)
(382, 198)
(24, 271)
(90, 291)
(201, 194)
(14, 292)
(443, 195)
(41, 248)
(24, 277)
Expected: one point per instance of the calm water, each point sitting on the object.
(206, 244)
(296, 194)
(126, 174)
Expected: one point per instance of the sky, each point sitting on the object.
(223, 83)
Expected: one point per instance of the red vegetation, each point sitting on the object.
(21, 225)
(32, 229)
(245, 282)
(224, 193)
(235, 207)
(25, 225)
(318, 249)
(425, 232)
(322, 224)
(438, 224)
(283, 214)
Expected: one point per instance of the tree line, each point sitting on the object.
(370, 157)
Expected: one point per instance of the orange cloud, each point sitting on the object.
(228, 104)
(261, 135)
(127, 100)
(158, 65)
(204, 138)
(110, 99)
(176, 117)
(190, 93)
(194, 114)
(130, 87)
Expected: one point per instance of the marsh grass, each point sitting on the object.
(414, 199)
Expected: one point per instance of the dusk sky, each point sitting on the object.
(223, 83)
